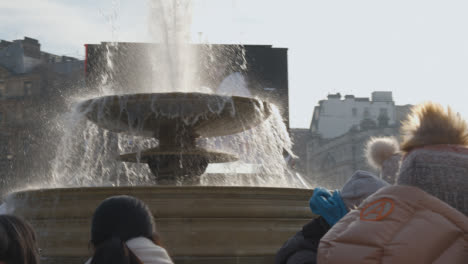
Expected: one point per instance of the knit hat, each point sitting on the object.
(360, 186)
(435, 142)
(333, 205)
(382, 153)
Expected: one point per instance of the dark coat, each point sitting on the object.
(302, 247)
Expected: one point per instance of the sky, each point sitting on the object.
(416, 49)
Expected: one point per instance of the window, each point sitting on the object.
(26, 146)
(328, 162)
(19, 114)
(2, 88)
(27, 88)
(383, 111)
(383, 117)
(366, 112)
(269, 89)
(354, 110)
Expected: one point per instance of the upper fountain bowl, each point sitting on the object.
(154, 114)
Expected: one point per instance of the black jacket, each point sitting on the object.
(302, 247)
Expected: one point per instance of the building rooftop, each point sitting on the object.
(23, 55)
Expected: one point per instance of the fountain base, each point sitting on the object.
(197, 224)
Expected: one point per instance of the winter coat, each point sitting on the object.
(302, 247)
(398, 224)
(147, 251)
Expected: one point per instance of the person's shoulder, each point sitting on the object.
(316, 228)
(292, 245)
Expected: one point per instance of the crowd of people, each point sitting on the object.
(415, 211)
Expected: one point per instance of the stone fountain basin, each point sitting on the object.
(205, 115)
(197, 224)
(212, 156)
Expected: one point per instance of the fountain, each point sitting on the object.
(177, 120)
(198, 223)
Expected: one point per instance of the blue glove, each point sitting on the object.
(329, 205)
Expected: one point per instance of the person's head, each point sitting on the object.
(361, 185)
(17, 241)
(435, 146)
(383, 154)
(333, 205)
(116, 220)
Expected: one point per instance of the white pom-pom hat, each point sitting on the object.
(380, 149)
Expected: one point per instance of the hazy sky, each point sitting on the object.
(417, 49)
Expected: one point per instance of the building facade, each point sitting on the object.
(300, 137)
(330, 162)
(336, 116)
(333, 147)
(33, 84)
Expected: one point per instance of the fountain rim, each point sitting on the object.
(162, 190)
(113, 121)
(169, 96)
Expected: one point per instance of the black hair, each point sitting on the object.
(17, 241)
(116, 220)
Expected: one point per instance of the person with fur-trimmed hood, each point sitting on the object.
(383, 154)
(423, 218)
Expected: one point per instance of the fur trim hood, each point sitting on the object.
(430, 124)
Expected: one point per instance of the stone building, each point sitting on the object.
(300, 137)
(335, 116)
(32, 88)
(330, 162)
(333, 147)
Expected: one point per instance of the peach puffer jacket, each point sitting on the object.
(398, 224)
